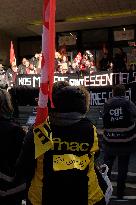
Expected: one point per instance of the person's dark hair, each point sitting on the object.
(119, 90)
(57, 86)
(71, 99)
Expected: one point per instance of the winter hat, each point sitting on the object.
(72, 99)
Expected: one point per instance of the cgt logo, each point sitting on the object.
(116, 114)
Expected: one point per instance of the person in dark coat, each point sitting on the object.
(11, 139)
(11, 75)
(120, 61)
(119, 117)
(22, 67)
(105, 62)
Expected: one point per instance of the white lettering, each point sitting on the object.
(110, 79)
(60, 78)
(25, 81)
(116, 114)
(101, 80)
(98, 99)
(21, 81)
(125, 78)
(28, 81)
(98, 80)
(86, 81)
(36, 79)
(134, 76)
(76, 82)
(128, 94)
(104, 97)
(92, 80)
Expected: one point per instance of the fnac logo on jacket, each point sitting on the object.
(69, 146)
(43, 141)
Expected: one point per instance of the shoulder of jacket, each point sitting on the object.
(89, 121)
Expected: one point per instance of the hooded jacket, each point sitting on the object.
(65, 174)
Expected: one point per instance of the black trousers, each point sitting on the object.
(123, 162)
(102, 202)
(8, 202)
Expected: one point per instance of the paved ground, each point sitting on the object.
(130, 192)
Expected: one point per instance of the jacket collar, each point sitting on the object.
(65, 119)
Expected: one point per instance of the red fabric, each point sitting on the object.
(44, 88)
(12, 53)
(51, 48)
(41, 113)
(48, 56)
(82, 67)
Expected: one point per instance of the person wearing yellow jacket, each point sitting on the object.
(65, 174)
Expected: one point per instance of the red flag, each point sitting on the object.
(12, 53)
(48, 55)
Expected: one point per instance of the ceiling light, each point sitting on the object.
(99, 16)
(124, 29)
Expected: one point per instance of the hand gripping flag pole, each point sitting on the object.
(41, 137)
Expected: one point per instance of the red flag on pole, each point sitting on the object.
(12, 53)
(42, 138)
(48, 55)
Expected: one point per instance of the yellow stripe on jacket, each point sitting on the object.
(35, 190)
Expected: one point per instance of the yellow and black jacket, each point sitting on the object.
(65, 174)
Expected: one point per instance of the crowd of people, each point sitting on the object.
(86, 62)
(82, 63)
(66, 171)
(27, 66)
